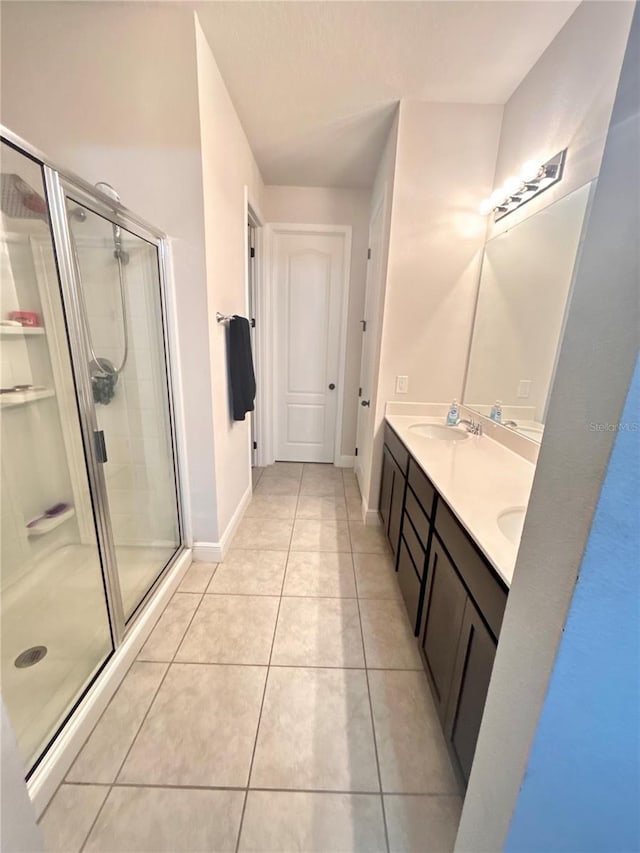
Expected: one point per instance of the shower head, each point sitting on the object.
(118, 252)
(19, 201)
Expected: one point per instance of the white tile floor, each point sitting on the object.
(278, 705)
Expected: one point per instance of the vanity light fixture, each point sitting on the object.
(518, 190)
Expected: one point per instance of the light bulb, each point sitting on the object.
(530, 171)
(497, 196)
(486, 206)
(512, 185)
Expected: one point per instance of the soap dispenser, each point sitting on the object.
(453, 414)
(496, 412)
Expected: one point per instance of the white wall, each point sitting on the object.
(444, 163)
(110, 91)
(565, 101)
(227, 166)
(370, 453)
(330, 206)
(18, 829)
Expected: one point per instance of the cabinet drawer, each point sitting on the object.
(422, 487)
(396, 448)
(409, 584)
(420, 521)
(414, 546)
(489, 594)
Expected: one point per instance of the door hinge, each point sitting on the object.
(359, 392)
(252, 252)
(253, 322)
(255, 445)
(363, 323)
(368, 254)
(356, 451)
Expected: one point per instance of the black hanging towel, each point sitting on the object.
(241, 376)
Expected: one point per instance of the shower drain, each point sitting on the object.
(30, 656)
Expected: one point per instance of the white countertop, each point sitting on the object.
(479, 478)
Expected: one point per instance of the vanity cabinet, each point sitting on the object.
(394, 470)
(454, 599)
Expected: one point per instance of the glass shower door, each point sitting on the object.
(120, 306)
(55, 630)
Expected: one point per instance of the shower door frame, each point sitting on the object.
(59, 183)
(60, 187)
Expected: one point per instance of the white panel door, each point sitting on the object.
(308, 290)
(370, 346)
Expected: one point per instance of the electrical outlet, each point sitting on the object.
(402, 384)
(524, 388)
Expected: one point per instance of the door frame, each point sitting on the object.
(256, 282)
(267, 376)
(375, 292)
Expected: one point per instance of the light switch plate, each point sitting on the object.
(524, 388)
(402, 384)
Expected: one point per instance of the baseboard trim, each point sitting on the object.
(54, 767)
(370, 517)
(215, 552)
(344, 461)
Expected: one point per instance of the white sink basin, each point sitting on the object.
(511, 522)
(440, 432)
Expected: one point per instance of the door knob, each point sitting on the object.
(331, 386)
(366, 403)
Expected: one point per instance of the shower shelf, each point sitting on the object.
(21, 331)
(46, 525)
(21, 398)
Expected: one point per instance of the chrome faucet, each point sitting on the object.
(472, 427)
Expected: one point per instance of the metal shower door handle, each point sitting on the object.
(101, 445)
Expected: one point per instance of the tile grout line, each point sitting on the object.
(263, 789)
(264, 691)
(373, 724)
(144, 718)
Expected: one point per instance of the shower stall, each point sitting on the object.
(90, 499)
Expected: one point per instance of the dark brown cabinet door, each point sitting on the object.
(397, 505)
(472, 673)
(444, 609)
(386, 488)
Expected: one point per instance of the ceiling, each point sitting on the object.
(316, 83)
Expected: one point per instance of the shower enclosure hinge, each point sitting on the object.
(253, 322)
(368, 254)
(356, 451)
(252, 252)
(100, 445)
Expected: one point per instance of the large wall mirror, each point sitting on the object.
(526, 280)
